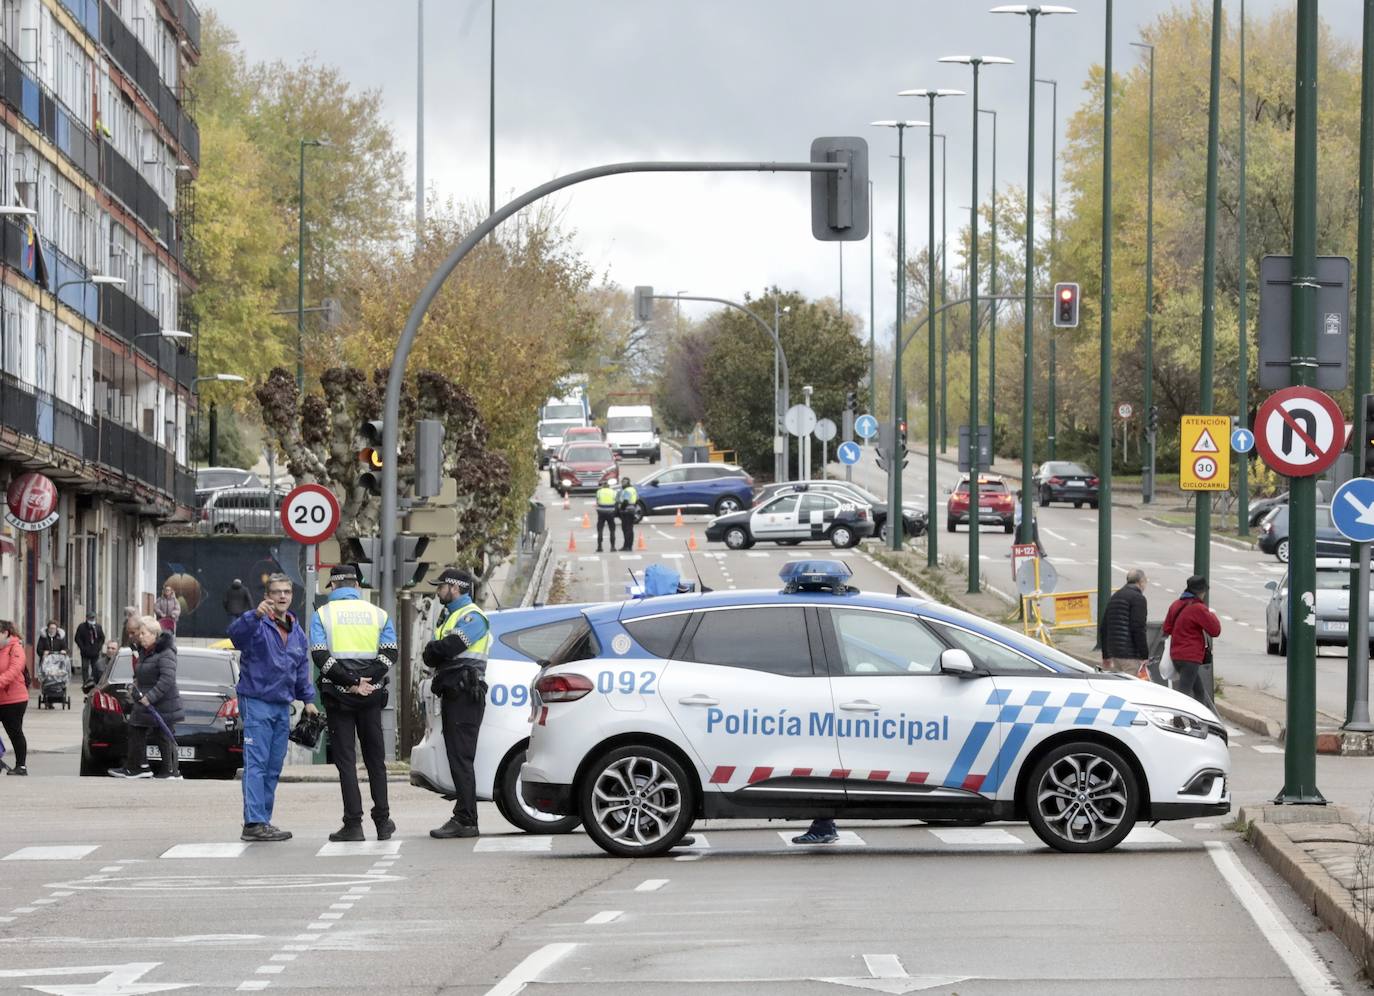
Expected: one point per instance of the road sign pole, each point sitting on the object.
(1202, 511)
(1357, 681)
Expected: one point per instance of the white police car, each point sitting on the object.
(794, 516)
(520, 639)
(821, 701)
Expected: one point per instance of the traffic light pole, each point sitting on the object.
(1202, 510)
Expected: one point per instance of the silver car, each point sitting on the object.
(242, 510)
(1333, 607)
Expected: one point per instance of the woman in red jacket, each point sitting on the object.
(1192, 626)
(14, 694)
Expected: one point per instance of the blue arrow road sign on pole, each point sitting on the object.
(849, 453)
(1242, 440)
(866, 426)
(1352, 509)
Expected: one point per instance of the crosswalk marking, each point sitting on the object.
(1150, 835)
(352, 848)
(56, 852)
(231, 850)
(1267, 748)
(975, 835)
(756, 554)
(514, 842)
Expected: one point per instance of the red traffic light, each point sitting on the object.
(1066, 294)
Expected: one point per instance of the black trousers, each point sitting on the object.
(604, 519)
(12, 719)
(88, 675)
(136, 754)
(347, 728)
(627, 526)
(1189, 681)
(462, 719)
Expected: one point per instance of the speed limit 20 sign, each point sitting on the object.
(310, 514)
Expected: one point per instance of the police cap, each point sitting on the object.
(456, 576)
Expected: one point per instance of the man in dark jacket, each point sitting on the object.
(90, 640)
(1122, 631)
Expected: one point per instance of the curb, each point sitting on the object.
(1252, 721)
(1233, 542)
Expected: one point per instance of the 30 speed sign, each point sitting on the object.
(310, 514)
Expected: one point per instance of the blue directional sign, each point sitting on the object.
(849, 453)
(866, 426)
(1352, 509)
(1242, 440)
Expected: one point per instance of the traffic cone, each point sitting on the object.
(641, 544)
(678, 521)
(692, 540)
(586, 521)
(572, 541)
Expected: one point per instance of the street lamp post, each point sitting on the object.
(944, 296)
(977, 62)
(1243, 323)
(992, 289)
(872, 328)
(1147, 494)
(1104, 369)
(300, 266)
(1031, 12)
(1052, 418)
(221, 378)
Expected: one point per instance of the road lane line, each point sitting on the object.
(605, 916)
(529, 970)
(269, 969)
(1297, 952)
(651, 885)
(1267, 748)
(1054, 535)
(251, 985)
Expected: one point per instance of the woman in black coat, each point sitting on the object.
(155, 697)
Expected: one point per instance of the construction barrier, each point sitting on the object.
(1043, 614)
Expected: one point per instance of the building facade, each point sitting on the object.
(98, 157)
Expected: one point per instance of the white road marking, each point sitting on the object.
(358, 890)
(756, 555)
(113, 868)
(58, 852)
(666, 536)
(269, 969)
(513, 842)
(529, 970)
(1206, 826)
(43, 902)
(7, 919)
(284, 957)
(976, 835)
(605, 916)
(64, 894)
(1231, 731)
(318, 926)
(673, 556)
(1053, 534)
(1229, 618)
(25, 909)
(352, 848)
(1297, 952)
(340, 906)
(1267, 748)
(205, 850)
(689, 857)
(589, 559)
(250, 985)
(330, 916)
(1149, 835)
(651, 885)
(848, 838)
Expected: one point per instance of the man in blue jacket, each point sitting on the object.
(274, 671)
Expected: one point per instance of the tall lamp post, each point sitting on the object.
(932, 494)
(1104, 368)
(894, 465)
(300, 266)
(1243, 323)
(1147, 494)
(944, 296)
(1052, 418)
(1031, 12)
(872, 328)
(977, 62)
(992, 289)
(220, 378)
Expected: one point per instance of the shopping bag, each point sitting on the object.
(1166, 662)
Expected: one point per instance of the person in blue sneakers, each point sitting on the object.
(274, 671)
(821, 831)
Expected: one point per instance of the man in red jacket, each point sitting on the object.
(1192, 626)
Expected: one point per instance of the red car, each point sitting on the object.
(996, 504)
(583, 434)
(585, 467)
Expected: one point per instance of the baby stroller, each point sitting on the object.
(54, 680)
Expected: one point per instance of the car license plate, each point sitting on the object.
(1338, 626)
(154, 753)
(1075, 484)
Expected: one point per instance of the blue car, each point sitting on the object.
(715, 488)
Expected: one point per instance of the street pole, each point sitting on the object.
(1104, 373)
(300, 283)
(872, 327)
(944, 296)
(1051, 416)
(992, 289)
(1300, 744)
(419, 121)
(491, 117)
(1357, 660)
(840, 246)
(1202, 508)
(1243, 358)
(805, 472)
(214, 434)
(777, 410)
(1148, 483)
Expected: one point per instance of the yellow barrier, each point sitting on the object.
(723, 456)
(1042, 614)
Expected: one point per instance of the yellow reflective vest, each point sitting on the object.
(451, 621)
(352, 628)
(605, 498)
(629, 496)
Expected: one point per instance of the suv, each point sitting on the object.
(996, 506)
(242, 510)
(717, 488)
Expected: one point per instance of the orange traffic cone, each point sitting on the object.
(692, 540)
(586, 521)
(572, 541)
(642, 545)
(678, 521)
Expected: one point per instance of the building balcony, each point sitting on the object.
(136, 62)
(41, 108)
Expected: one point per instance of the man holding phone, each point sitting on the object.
(274, 671)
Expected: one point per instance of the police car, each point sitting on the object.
(819, 700)
(794, 516)
(521, 638)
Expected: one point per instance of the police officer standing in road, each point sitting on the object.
(458, 654)
(353, 644)
(605, 514)
(626, 501)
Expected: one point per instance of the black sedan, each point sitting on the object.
(793, 516)
(210, 738)
(913, 518)
(1063, 480)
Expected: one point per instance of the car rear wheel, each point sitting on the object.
(728, 504)
(514, 808)
(1281, 551)
(636, 802)
(1271, 647)
(1093, 503)
(640, 511)
(842, 537)
(89, 768)
(737, 537)
(1082, 798)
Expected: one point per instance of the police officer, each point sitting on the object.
(353, 644)
(605, 514)
(458, 653)
(625, 504)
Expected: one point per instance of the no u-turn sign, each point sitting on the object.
(1299, 431)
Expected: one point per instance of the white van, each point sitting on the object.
(630, 431)
(557, 415)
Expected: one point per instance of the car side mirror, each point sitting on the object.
(653, 484)
(1271, 586)
(956, 661)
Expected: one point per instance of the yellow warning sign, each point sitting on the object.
(1204, 465)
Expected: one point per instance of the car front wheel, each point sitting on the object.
(1281, 551)
(1082, 798)
(737, 537)
(517, 812)
(636, 802)
(841, 537)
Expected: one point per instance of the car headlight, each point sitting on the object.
(1176, 722)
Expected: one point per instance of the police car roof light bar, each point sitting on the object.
(817, 575)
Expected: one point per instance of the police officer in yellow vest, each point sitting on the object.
(353, 644)
(625, 503)
(605, 513)
(458, 653)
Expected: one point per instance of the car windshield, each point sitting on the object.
(984, 487)
(630, 423)
(223, 478)
(1331, 579)
(563, 411)
(588, 454)
(1070, 469)
(551, 429)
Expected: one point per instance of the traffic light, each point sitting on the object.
(1152, 419)
(839, 198)
(1367, 462)
(1066, 306)
(364, 553)
(880, 455)
(410, 570)
(429, 457)
(644, 304)
(370, 456)
(851, 401)
(901, 433)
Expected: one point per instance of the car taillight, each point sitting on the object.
(563, 687)
(1092, 481)
(205, 515)
(105, 702)
(229, 710)
(1056, 480)
(863, 515)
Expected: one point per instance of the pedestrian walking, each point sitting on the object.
(156, 704)
(1192, 626)
(90, 638)
(274, 671)
(104, 666)
(821, 831)
(237, 599)
(458, 654)
(626, 501)
(167, 608)
(605, 514)
(51, 641)
(354, 646)
(14, 694)
(1121, 633)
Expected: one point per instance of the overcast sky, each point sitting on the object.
(595, 81)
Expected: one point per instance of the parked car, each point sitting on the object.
(1063, 480)
(584, 467)
(720, 488)
(996, 505)
(243, 510)
(913, 518)
(1263, 506)
(211, 478)
(210, 738)
(794, 516)
(1273, 534)
(1332, 608)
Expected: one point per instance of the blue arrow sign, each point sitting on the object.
(866, 426)
(1242, 440)
(849, 453)
(1352, 509)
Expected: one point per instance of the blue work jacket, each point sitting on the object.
(273, 667)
